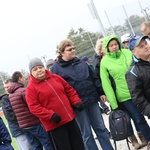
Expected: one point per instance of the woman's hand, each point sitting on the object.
(103, 98)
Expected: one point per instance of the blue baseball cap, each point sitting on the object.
(135, 40)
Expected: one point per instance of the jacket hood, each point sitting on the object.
(14, 86)
(106, 41)
(32, 79)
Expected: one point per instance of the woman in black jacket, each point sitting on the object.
(99, 54)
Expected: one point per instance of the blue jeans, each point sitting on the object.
(23, 143)
(91, 117)
(130, 128)
(38, 138)
(138, 118)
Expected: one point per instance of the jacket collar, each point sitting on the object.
(32, 79)
(114, 54)
(64, 63)
(140, 61)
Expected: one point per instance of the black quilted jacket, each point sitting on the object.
(138, 79)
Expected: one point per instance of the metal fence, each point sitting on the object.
(110, 18)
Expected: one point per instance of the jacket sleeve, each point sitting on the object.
(23, 94)
(135, 86)
(54, 68)
(4, 134)
(70, 91)
(7, 109)
(96, 81)
(107, 87)
(96, 64)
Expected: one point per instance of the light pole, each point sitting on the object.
(44, 58)
(109, 22)
(145, 11)
(128, 20)
(91, 40)
(142, 10)
(94, 13)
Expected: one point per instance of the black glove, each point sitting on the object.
(80, 106)
(56, 118)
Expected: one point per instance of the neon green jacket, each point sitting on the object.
(116, 63)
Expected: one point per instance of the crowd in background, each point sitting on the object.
(63, 102)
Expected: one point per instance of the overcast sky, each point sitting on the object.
(33, 28)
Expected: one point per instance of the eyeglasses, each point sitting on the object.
(70, 49)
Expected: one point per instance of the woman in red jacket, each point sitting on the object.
(52, 100)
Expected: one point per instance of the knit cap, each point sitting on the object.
(49, 63)
(35, 62)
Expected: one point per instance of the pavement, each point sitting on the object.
(121, 145)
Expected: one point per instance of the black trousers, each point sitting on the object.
(67, 137)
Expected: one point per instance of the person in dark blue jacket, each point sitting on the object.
(5, 139)
(80, 76)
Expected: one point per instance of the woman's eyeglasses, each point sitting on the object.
(70, 49)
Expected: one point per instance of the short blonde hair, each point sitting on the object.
(63, 44)
(145, 27)
(98, 47)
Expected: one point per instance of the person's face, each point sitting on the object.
(38, 72)
(142, 50)
(6, 87)
(126, 44)
(113, 46)
(68, 53)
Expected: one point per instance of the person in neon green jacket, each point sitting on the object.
(113, 68)
(115, 63)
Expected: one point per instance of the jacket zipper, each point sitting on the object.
(58, 98)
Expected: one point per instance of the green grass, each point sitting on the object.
(14, 144)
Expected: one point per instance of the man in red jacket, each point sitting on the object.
(52, 100)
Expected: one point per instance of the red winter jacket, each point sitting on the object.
(52, 95)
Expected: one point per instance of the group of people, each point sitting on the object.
(60, 107)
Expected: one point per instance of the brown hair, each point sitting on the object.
(145, 27)
(7, 81)
(16, 75)
(63, 44)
